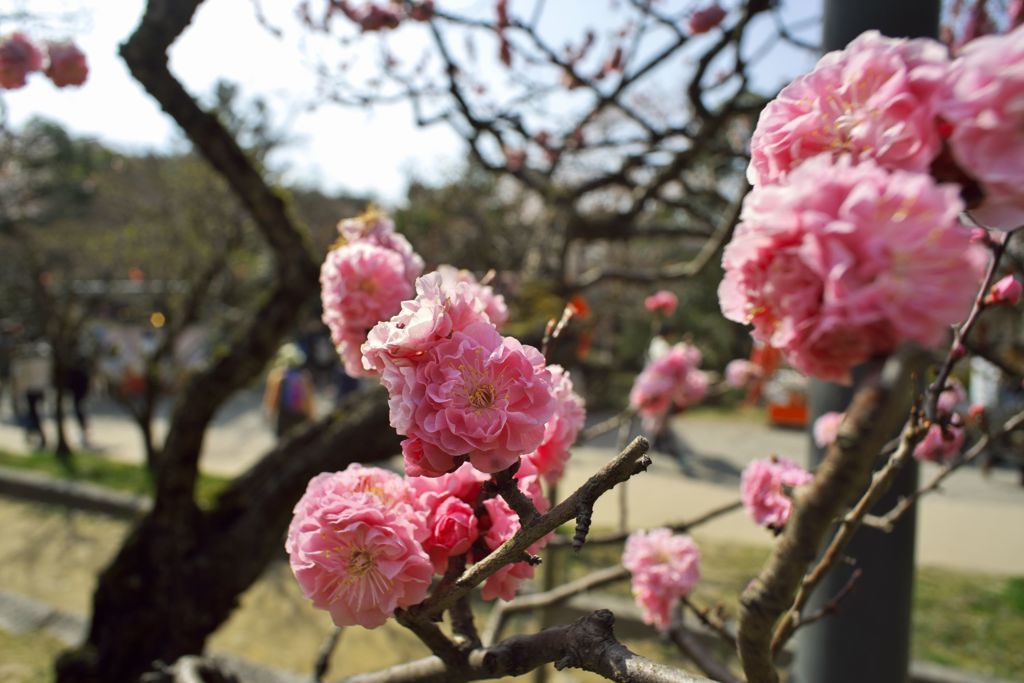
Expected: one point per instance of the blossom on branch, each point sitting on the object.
(560, 433)
(364, 279)
(19, 57)
(763, 487)
(665, 567)
(663, 302)
(672, 381)
(354, 547)
(826, 428)
(67, 65)
(873, 100)
(1006, 291)
(483, 396)
(983, 103)
(844, 261)
(740, 372)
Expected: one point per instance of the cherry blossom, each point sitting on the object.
(982, 102)
(762, 487)
(19, 57)
(873, 100)
(665, 567)
(844, 261)
(355, 554)
(826, 428)
(560, 433)
(670, 381)
(662, 301)
(67, 65)
(480, 395)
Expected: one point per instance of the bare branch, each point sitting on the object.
(588, 643)
(877, 410)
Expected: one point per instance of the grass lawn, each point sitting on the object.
(963, 620)
(96, 469)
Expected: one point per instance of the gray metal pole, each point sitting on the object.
(869, 638)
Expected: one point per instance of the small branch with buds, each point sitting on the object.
(887, 521)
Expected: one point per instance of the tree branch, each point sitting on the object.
(588, 643)
(876, 411)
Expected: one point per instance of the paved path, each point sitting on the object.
(974, 523)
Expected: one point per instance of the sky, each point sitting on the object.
(370, 152)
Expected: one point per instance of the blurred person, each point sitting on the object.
(30, 376)
(288, 398)
(79, 381)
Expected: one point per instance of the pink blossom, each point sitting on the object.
(740, 372)
(663, 302)
(442, 306)
(940, 444)
(377, 228)
(952, 396)
(67, 65)
(984, 103)
(826, 428)
(560, 433)
(481, 395)
(360, 284)
(665, 567)
(706, 18)
(424, 459)
(355, 556)
(762, 490)
(873, 100)
(453, 529)
(464, 483)
(1006, 291)
(483, 298)
(670, 381)
(844, 261)
(18, 58)
(502, 524)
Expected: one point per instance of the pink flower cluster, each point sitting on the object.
(364, 280)
(672, 381)
(457, 388)
(983, 104)
(844, 261)
(665, 567)
(898, 102)
(848, 246)
(944, 438)
(354, 546)
(761, 488)
(552, 454)
(662, 302)
(826, 428)
(365, 541)
(64, 63)
(740, 372)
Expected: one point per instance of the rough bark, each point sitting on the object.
(180, 571)
(168, 589)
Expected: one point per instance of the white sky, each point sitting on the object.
(370, 152)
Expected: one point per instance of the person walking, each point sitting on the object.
(30, 377)
(288, 398)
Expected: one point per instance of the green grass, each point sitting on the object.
(96, 469)
(970, 621)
